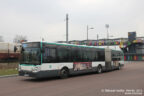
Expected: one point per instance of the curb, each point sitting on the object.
(5, 76)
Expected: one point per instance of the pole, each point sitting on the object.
(97, 36)
(87, 33)
(107, 26)
(67, 28)
(107, 38)
(107, 34)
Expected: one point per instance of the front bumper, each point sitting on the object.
(40, 74)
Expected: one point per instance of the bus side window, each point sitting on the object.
(53, 53)
(45, 55)
(63, 54)
(101, 56)
(93, 55)
(85, 57)
(75, 53)
(49, 55)
(96, 56)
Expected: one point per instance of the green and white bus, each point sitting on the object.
(42, 59)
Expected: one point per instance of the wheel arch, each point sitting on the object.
(99, 65)
(65, 67)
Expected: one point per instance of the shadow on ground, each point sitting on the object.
(29, 79)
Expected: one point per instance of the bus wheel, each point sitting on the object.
(99, 69)
(119, 67)
(64, 73)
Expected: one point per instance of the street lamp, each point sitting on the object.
(67, 18)
(88, 31)
(97, 36)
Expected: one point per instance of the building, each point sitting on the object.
(133, 47)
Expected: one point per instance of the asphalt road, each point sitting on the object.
(129, 81)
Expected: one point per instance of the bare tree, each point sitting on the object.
(1, 39)
(19, 39)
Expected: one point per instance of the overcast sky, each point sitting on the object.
(46, 18)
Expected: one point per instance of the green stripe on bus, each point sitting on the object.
(28, 65)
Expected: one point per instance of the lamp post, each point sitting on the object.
(107, 26)
(67, 28)
(88, 31)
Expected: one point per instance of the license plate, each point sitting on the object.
(26, 75)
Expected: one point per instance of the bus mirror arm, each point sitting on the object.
(15, 49)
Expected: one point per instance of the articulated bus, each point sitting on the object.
(42, 59)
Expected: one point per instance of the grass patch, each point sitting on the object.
(8, 71)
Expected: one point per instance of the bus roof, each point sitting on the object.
(84, 46)
(73, 45)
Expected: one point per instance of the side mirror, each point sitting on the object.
(22, 49)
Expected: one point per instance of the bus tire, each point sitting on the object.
(99, 69)
(119, 67)
(64, 73)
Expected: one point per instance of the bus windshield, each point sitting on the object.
(31, 55)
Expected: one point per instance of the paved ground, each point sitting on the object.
(116, 83)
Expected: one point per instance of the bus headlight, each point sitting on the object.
(36, 69)
(19, 68)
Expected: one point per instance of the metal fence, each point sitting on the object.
(10, 65)
(134, 57)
